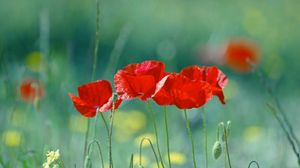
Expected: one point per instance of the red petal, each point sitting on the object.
(240, 54)
(162, 95)
(215, 77)
(96, 93)
(84, 108)
(30, 89)
(138, 80)
(176, 89)
(108, 105)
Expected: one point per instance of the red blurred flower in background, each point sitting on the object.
(179, 90)
(31, 89)
(240, 54)
(93, 97)
(212, 75)
(139, 80)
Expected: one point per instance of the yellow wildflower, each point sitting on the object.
(176, 158)
(12, 138)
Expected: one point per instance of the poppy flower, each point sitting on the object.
(138, 80)
(179, 90)
(240, 54)
(93, 97)
(212, 75)
(31, 89)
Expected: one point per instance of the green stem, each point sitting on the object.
(86, 138)
(226, 146)
(131, 161)
(281, 123)
(191, 137)
(205, 132)
(110, 137)
(99, 148)
(153, 150)
(167, 132)
(156, 134)
(94, 69)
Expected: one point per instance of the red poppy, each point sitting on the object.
(179, 90)
(212, 75)
(240, 54)
(93, 97)
(138, 80)
(31, 89)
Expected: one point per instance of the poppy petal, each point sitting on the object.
(215, 77)
(108, 106)
(96, 93)
(176, 89)
(138, 80)
(84, 108)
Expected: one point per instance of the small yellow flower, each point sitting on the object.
(78, 123)
(34, 61)
(145, 143)
(12, 138)
(51, 157)
(176, 158)
(253, 133)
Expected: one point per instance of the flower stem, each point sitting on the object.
(153, 150)
(167, 132)
(191, 137)
(110, 137)
(281, 123)
(226, 146)
(94, 69)
(156, 134)
(205, 132)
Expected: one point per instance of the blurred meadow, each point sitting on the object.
(53, 42)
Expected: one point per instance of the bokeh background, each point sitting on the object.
(53, 41)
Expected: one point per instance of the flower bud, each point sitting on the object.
(217, 150)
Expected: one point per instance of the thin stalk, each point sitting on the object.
(191, 137)
(253, 162)
(99, 149)
(153, 150)
(156, 134)
(94, 67)
(226, 146)
(167, 133)
(281, 123)
(278, 105)
(110, 137)
(131, 161)
(105, 123)
(205, 132)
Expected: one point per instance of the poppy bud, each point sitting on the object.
(217, 150)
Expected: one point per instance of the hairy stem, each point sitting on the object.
(191, 137)
(167, 133)
(253, 162)
(153, 150)
(110, 137)
(281, 123)
(99, 149)
(226, 146)
(156, 134)
(205, 132)
(94, 67)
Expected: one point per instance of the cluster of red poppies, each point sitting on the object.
(191, 88)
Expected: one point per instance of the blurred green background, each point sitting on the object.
(53, 41)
